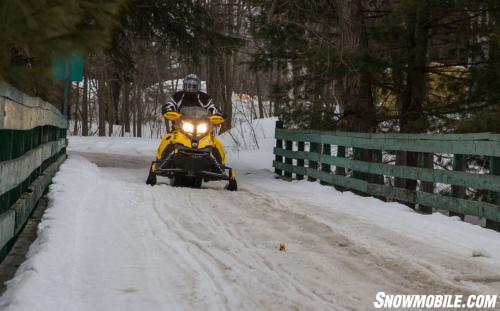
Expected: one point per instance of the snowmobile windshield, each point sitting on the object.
(194, 113)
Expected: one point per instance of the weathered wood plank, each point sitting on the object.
(25, 205)
(19, 111)
(405, 136)
(460, 206)
(485, 147)
(468, 207)
(477, 181)
(7, 226)
(392, 193)
(332, 179)
(15, 171)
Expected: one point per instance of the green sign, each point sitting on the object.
(68, 68)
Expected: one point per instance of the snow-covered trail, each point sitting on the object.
(109, 242)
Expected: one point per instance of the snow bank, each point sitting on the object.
(251, 144)
(55, 241)
(114, 145)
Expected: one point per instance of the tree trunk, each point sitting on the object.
(139, 113)
(101, 97)
(270, 90)
(85, 105)
(259, 95)
(412, 119)
(278, 97)
(356, 89)
(115, 90)
(126, 108)
(411, 114)
(134, 112)
(111, 110)
(77, 110)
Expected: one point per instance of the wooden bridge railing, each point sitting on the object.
(32, 147)
(367, 176)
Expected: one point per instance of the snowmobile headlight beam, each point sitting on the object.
(187, 127)
(202, 128)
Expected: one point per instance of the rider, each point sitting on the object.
(190, 96)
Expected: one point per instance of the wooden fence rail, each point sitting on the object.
(32, 147)
(368, 175)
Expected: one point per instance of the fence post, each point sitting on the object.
(7, 142)
(340, 154)
(313, 147)
(458, 191)
(288, 146)
(300, 162)
(338, 169)
(400, 160)
(377, 158)
(279, 145)
(426, 161)
(493, 196)
(327, 150)
(357, 154)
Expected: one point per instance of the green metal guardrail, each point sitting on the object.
(32, 147)
(367, 177)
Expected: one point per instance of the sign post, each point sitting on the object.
(67, 69)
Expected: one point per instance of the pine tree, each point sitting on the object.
(34, 31)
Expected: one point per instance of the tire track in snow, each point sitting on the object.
(218, 302)
(411, 269)
(235, 241)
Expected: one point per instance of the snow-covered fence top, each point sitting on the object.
(364, 162)
(32, 147)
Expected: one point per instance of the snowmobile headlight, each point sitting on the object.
(187, 127)
(201, 128)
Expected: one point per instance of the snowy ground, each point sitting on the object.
(109, 242)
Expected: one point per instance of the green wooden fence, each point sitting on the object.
(367, 177)
(32, 147)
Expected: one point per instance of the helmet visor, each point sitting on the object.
(191, 85)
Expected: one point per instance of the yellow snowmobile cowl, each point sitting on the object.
(180, 138)
(177, 137)
(165, 141)
(211, 141)
(172, 115)
(205, 142)
(218, 145)
(216, 120)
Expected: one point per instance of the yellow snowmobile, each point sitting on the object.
(191, 154)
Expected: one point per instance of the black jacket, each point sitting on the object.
(187, 99)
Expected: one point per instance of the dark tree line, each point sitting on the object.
(355, 65)
(409, 66)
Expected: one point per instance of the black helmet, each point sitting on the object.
(191, 83)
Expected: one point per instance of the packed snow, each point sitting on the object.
(110, 242)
